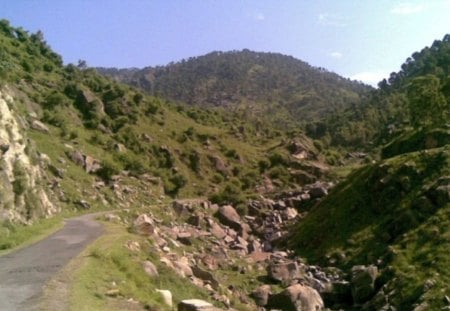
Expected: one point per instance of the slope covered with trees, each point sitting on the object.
(269, 86)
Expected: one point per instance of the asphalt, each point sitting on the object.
(24, 273)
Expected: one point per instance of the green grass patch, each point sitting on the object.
(14, 236)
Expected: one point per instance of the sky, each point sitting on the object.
(364, 40)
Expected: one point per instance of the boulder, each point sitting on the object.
(205, 276)
(182, 267)
(284, 271)
(196, 305)
(229, 217)
(143, 224)
(363, 282)
(150, 268)
(216, 230)
(297, 297)
(261, 295)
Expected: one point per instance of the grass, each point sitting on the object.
(108, 265)
(376, 214)
(15, 236)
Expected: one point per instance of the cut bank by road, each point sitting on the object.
(24, 273)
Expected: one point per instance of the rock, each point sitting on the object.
(289, 213)
(39, 126)
(4, 148)
(205, 276)
(254, 246)
(143, 224)
(83, 203)
(77, 158)
(150, 268)
(113, 292)
(166, 295)
(112, 217)
(216, 230)
(284, 271)
(196, 305)
(185, 238)
(261, 295)
(219, 164)
(363, 282)
(297, 297)
(182, 267)
(133, 246)
(91, 165)
(229, 217)
(318, 191)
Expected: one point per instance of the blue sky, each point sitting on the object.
(360, 39)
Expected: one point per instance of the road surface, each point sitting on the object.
(24, 273)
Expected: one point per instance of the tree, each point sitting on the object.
(427, 105)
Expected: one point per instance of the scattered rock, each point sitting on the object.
(363, 282)
(196, 305)
(284, 271)
(39, 126)
(261, 295)
(205, 276)
(150, 269)
(297, 297)
(166, 295)
(143, 224)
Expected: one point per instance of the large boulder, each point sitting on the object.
(39, 126)
(196, 305)
(363, 282)
(297, 297)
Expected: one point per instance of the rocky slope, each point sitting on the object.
(22, 176)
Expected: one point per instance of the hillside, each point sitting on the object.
(86, 135)
(388, 221)
(424, 77)
(270, 87)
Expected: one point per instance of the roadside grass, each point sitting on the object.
(13, 236)
(110, 275)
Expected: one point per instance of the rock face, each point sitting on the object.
(363, 282)
(22, 196)
(297, 298)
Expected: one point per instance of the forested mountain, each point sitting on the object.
(270, 86)
(419, 93)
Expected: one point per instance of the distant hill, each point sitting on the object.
(275, 86)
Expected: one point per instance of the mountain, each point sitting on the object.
(269, 86)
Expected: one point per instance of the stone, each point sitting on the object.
(216, 230)
(167, 296)
(261, 295)
(185, 238)
(143, 224)
(297, 297)
(229, 217)
(284, 271)
(318, 191)
(133, 246)
(83, 204)
(39, 126)
(196, 305)
(182, 267)
(363, 282)
(150, 268)
(77, 158)
(205, 276)
(91, 165)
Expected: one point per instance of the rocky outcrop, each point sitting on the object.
(22, 197)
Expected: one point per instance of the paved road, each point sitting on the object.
(23, 273)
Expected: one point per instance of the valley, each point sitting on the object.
(231, 181)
